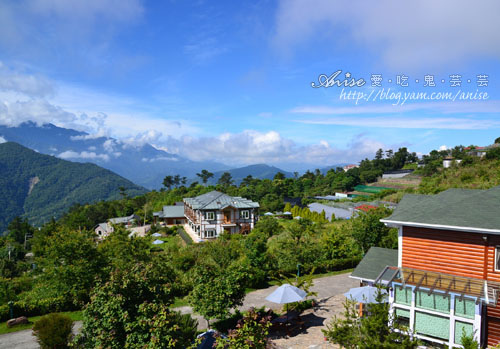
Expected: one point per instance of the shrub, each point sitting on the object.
(187, 239)
(53, 331)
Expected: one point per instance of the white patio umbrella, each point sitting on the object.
(286, 293)
(268, 214)
(156, 234)
(158, 242)
(365, 294)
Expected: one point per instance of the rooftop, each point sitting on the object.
(123, 220)
(374, 262)
(170, 211)
(215, 200)
(461, 209)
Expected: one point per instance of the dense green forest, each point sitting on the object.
(40, 187)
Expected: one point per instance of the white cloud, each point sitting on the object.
(443, 147)
(63, 20)
(28, 84)
(160, 158)
(203, 50)
(490, 106)
(2, 140)
(447, 123)
(250, 147)
(406, 34)
(88, 10)
(83, 155)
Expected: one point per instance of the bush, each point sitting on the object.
(53, 331)
(35, 306)
(187, 239)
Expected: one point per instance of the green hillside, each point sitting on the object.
(471, 174)
(40, 187)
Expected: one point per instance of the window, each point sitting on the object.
(210, 233)
(402, 317)
(209, 216)
(245, 214)
(497, 258)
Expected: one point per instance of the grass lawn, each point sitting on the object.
(170, 241)
(179, 302)
(74, 315)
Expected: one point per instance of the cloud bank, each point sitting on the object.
(406, 34)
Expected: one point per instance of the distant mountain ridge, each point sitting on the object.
(261, 171)
(142, 164)
(39, 187)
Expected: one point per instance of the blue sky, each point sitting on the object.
(231, 81)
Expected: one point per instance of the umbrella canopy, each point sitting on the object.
(158, 242)
(268, 214)
(286, 294)
(287, 213)
(366, 294)
(156, 234)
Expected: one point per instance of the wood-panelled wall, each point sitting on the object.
(456, 253)
(451, 252)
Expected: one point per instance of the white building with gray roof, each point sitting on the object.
(211, 214)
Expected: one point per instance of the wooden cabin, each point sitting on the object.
(447, 278)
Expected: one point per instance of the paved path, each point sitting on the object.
(326, 287)
(24, 339)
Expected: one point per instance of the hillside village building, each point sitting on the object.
(447, 275)
(104, 229)
(211, 214)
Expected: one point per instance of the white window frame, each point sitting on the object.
(213, 233)
(208, 214)
(245, 214)
(497, 256)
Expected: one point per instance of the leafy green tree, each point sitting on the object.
(120, 251)
(367, 332)
(225, 179)
(19, 228)
(368, 230)
(205, 176)
(70, 263)
(216, 291)
(168, 182)
(255, 247)
(247, 181)
(131, 310)
(279, 176)
(251, 332)
(497, 141)
(269, 226)
(493, 153)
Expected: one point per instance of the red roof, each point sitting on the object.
(366, 208)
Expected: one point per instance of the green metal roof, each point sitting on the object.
(463, 209)
(375, 260)
(215, 200)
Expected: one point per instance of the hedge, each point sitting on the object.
(38, 307)
(187, 239)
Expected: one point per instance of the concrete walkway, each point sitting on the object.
(326, 287)
(25, 340)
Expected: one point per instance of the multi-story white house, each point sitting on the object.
(211, 214)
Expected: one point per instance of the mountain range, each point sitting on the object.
(261, 171)
(142, 164)
(39, 187)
